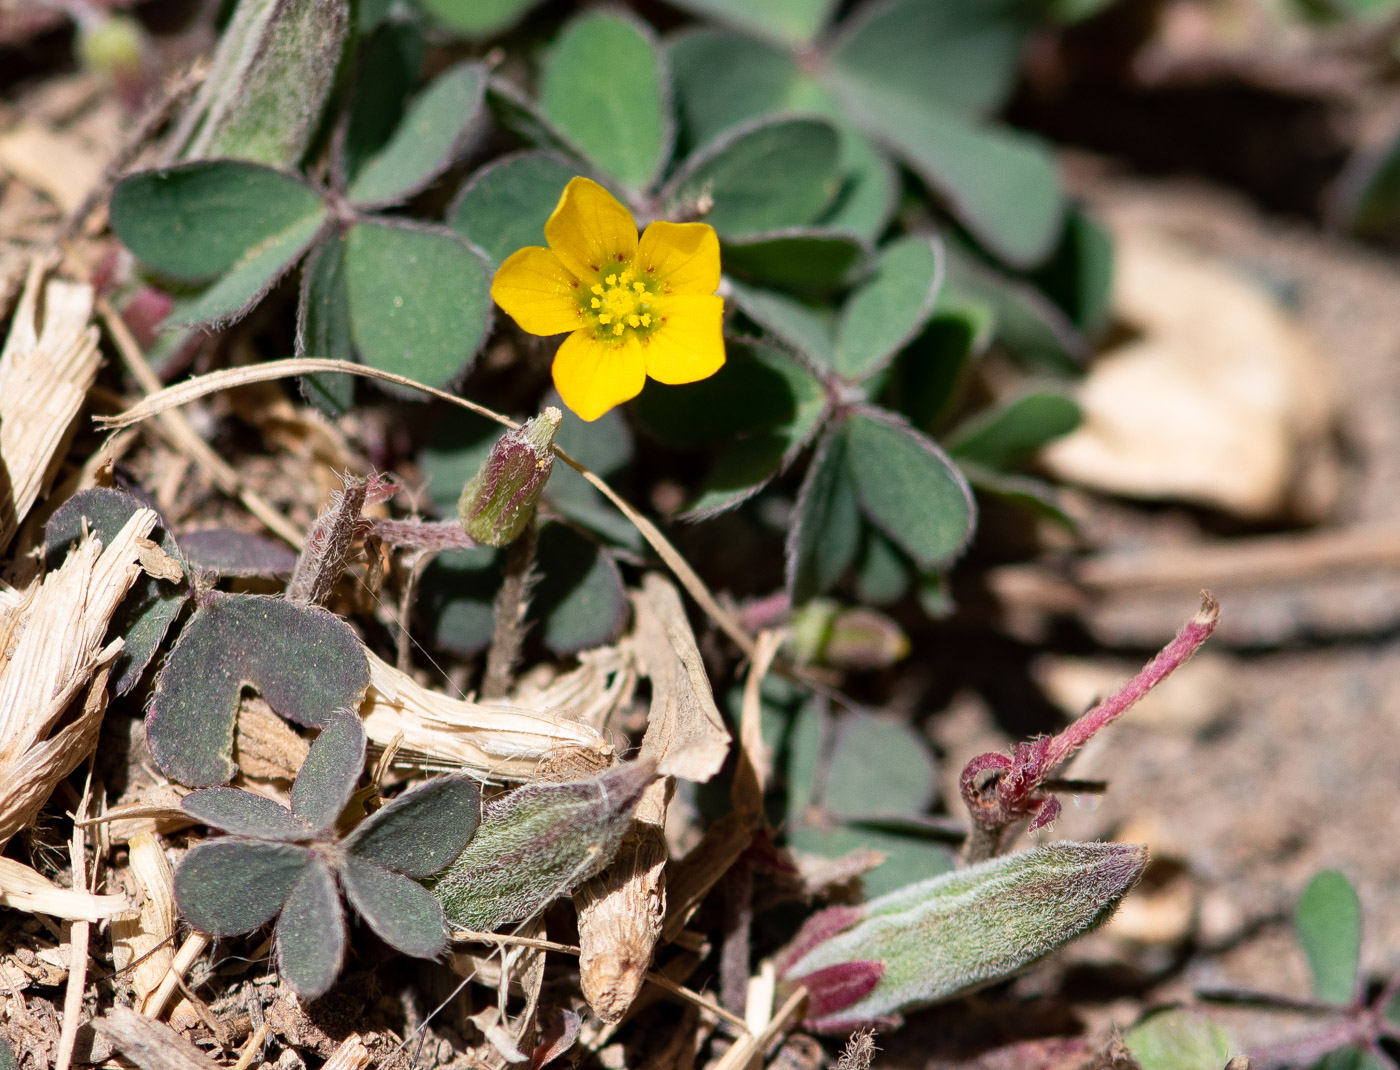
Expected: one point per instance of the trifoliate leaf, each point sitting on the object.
(504, 206)
(890, 308)
(404, 914)
(311, 933)
(323, 326)
(230, 552)
(245, 813)
(422, 830)
(1004, 437)
(330, 771)
(227, 887)
(1177, 1039)
(806, 260)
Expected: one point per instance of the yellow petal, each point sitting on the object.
(538, 292)
(593, 376)
(689, 344)
(682, 257)
(589, 228)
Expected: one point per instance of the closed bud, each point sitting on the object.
(823, 632)
(961, 930)
(538, 843)
(500, 499)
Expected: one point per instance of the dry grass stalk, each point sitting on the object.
(45, 372)
(145, 940)
(747, 1052)
(22, 888)
(194, 946)
(54, 649)
(79, 937)
(502, 741)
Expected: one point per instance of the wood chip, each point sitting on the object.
(149, 1044)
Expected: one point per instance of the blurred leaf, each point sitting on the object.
(825, 531)
(869, 190)
(582, 601)
(386, 69)
(150, 607)
(1001, 184)
(762, 176)
(419, 301)
(724, 79)
(804, 752)
(604, 86)
(311, 933)
(1078, 277)
(456, 447)
(402, 912)
(878, 767)
(907, 859)
(1006, 436)
(923, 381)
(538, 843)
(757, 389)
(890, 308)
(455, 597)
(740, 471)
(197, 221)
(1370, 192)
(505, 204)
(808, 330)
(425, 141)
(1027, 323)
(328, 775)
(245, 814)
(1352, 1059)
(230, 552)
(1328, 924)
(478, 18)
(960, 930)
(228, 886)
(7, 1056)
(304, 661)
(805, 260)
(323, 326)
(1035, 496)
(604, 446)
(909, 489)
(882, 577)
(422, 830)
(517, 113)
(270, 78)
(959, 55)
(1176, 1039)
(787, 22)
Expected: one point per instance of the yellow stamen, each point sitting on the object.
(597, 303)
(646, 319)
(611, 280)
(598, 288)
(634, 321)
(604, 318)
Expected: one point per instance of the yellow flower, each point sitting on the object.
(636, 308)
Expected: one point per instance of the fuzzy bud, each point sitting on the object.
(539, 843)
(961, 930)
(861, 639)
(500, 499)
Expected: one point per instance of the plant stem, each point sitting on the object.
(512, 603)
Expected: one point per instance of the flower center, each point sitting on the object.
(620, 304)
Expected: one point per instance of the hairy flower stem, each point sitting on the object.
(512, 603)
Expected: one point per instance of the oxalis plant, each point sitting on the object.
(293, 864)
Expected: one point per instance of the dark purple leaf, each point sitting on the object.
(311, 933)
(404, 914)
(227, 887)
(245, 814)
(327, 777)
(422, 830)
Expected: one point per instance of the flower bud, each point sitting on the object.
(961, 930)
(500, 499)
(860, 639)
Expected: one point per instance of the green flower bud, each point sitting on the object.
(961, 930)
(500, 499)
(824, 633)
